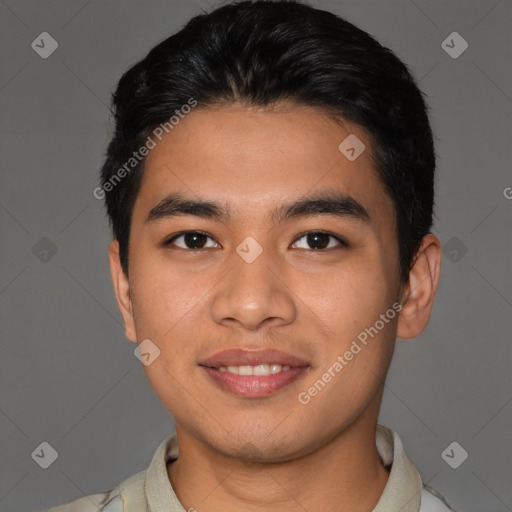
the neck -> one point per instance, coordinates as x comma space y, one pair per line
344, 474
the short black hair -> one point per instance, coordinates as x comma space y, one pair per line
260, 53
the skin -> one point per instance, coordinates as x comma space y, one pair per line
255, 454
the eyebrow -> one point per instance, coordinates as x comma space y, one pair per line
327, 203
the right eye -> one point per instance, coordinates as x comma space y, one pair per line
192, 240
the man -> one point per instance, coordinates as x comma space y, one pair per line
270, 189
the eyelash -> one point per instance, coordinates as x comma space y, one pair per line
302, 235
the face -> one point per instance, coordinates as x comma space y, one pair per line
252, 283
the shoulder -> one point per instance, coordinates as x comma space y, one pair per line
91, 503
432, 501
108, 501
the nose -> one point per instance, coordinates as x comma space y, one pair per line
254, 294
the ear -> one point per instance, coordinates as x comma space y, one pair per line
122, 290
418, 294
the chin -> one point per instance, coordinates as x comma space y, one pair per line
264, 445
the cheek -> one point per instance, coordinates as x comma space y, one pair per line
161, 298
350, 375
168, 311
352, 310
347, 301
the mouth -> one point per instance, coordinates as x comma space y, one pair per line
255, 373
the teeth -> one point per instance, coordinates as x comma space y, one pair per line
275, 368
259, 369
244, 370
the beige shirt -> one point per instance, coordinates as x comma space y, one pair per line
151, 490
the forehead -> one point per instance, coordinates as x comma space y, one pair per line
250, 158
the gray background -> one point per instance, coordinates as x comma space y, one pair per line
67, 374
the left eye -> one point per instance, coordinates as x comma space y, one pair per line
320, 240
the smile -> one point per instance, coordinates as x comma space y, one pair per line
253, 373
259, 369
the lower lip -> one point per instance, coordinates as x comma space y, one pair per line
254, 386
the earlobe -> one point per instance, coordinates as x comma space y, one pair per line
122, 291
419, 293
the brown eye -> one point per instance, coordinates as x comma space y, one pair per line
319, 240
190, 240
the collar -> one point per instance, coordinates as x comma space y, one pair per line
402, 491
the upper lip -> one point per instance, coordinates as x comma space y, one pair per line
244, 357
